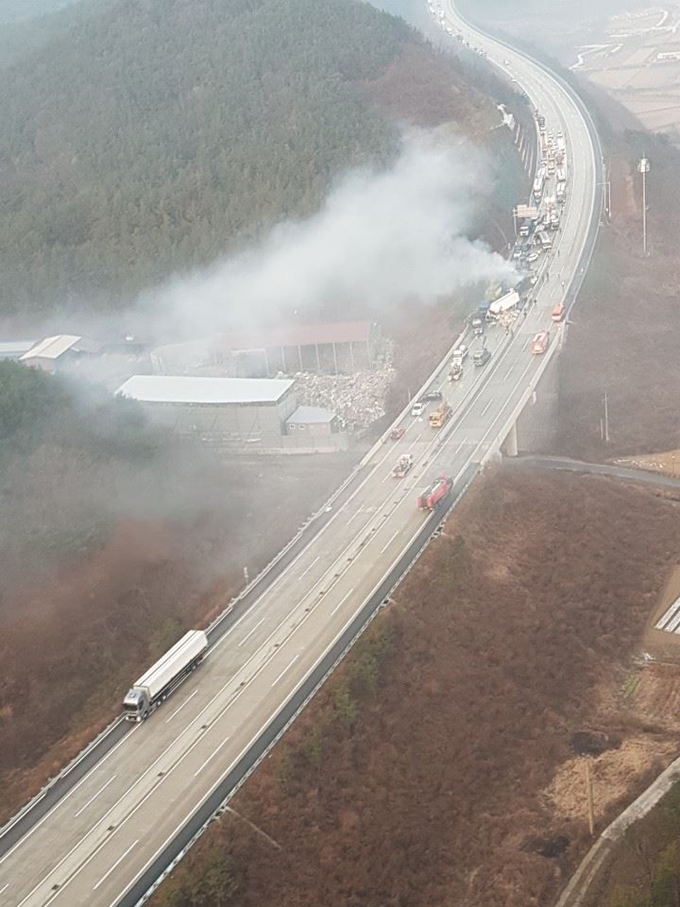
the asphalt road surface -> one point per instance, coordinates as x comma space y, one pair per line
109, 830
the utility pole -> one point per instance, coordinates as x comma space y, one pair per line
606, 419
608, 194
643, 168
589, 797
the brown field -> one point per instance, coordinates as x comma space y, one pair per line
71, 643
444, 757
101, 620
625, 330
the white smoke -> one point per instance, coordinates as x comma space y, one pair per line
381, 237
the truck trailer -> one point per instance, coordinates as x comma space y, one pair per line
539, 182
169, 671
506, 303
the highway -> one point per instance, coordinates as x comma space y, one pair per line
103, 841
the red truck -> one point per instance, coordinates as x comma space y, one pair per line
434, 493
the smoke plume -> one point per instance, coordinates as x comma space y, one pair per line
381, 237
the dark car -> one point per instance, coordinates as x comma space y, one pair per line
397, 433
481, 357
432, 395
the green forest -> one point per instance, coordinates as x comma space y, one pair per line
21, 10
153, 135
64, 458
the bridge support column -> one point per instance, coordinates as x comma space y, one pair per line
510, 446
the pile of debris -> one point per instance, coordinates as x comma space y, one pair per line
358, 399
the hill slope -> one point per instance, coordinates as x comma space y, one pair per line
152, 135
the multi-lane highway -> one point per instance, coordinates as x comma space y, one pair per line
104, 839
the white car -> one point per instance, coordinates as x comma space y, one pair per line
418, 409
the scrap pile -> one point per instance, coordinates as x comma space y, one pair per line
358, 399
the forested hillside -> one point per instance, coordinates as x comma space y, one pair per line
26, 25
19, 10
150, 137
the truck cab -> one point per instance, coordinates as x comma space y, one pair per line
403, 466
136, 705
456, 371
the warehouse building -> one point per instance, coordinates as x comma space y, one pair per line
241, 413
332, 349
15, 349
340, 348
52, 353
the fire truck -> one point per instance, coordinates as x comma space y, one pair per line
435, 493
540, 343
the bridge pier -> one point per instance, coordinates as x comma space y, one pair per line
535, 428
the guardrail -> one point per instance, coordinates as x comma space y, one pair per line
251, 587
577, 278
69, 767
215, 803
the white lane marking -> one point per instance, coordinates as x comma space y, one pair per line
118, 861
389, 542
4, 888
509, 372
63, 799
94, 796
287, 668
342, 601
258, 733
486, 407
416, 440
460, 445
182, 706
250, 633
214, 753
355, 515
150, 792
168, 772
305, 572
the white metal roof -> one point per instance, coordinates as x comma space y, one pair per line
176, 389
309, 414
52, 347
11, 348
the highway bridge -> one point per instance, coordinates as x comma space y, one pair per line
105, 832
